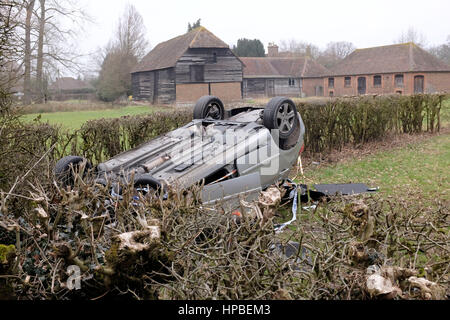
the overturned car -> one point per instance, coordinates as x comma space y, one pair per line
234, 153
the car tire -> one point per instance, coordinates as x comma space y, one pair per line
209, 107
63, 171
147, 180
280, 113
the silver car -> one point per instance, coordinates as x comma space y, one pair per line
234, 153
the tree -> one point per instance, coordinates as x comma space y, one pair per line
249, 48
294, 48
412, 35
121, 55
40, 54
10, 43
114, 78
335, 52
194, 25
57, 23
41, 41
131, 33
442, 51
29, 6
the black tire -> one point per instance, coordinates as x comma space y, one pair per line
63, 169
147, 180
280, 113
209, 107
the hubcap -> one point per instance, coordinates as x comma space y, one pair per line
285, 118
213, 111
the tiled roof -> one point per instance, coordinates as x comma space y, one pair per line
166, 54
68, 83
282, 67
406, 57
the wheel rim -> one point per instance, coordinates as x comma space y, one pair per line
213, 111
145, 191
285, 117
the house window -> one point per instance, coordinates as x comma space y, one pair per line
330, 82
331, 93
398, 92
291, 82
197, 73
399, 80
348, 81
214, 57
377, 81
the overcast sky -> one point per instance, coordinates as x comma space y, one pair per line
364, 23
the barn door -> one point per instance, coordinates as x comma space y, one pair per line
362, 85
270, 88
418, 84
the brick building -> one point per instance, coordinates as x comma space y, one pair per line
183, 69
400, 68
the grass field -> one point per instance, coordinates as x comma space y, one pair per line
419, 170
74, 119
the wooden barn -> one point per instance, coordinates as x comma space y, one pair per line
282, 76
183, 69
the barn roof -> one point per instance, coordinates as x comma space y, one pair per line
166, 54
406, 57
68, 83
270, 67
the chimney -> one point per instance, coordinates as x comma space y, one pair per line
272, 50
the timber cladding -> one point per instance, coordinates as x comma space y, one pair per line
275, 76
187, 67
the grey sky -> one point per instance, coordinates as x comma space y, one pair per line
365, 23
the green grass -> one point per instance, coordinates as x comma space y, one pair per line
74, 120
420, 170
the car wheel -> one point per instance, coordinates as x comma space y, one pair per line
280, 113
63, 169
144, 183
209, 107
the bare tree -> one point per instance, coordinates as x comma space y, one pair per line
335, 52
10, 52
40, 54
41, 40
121, 54
442, 51
131, 33
294, 48
412, 35
56, 21
27, 53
